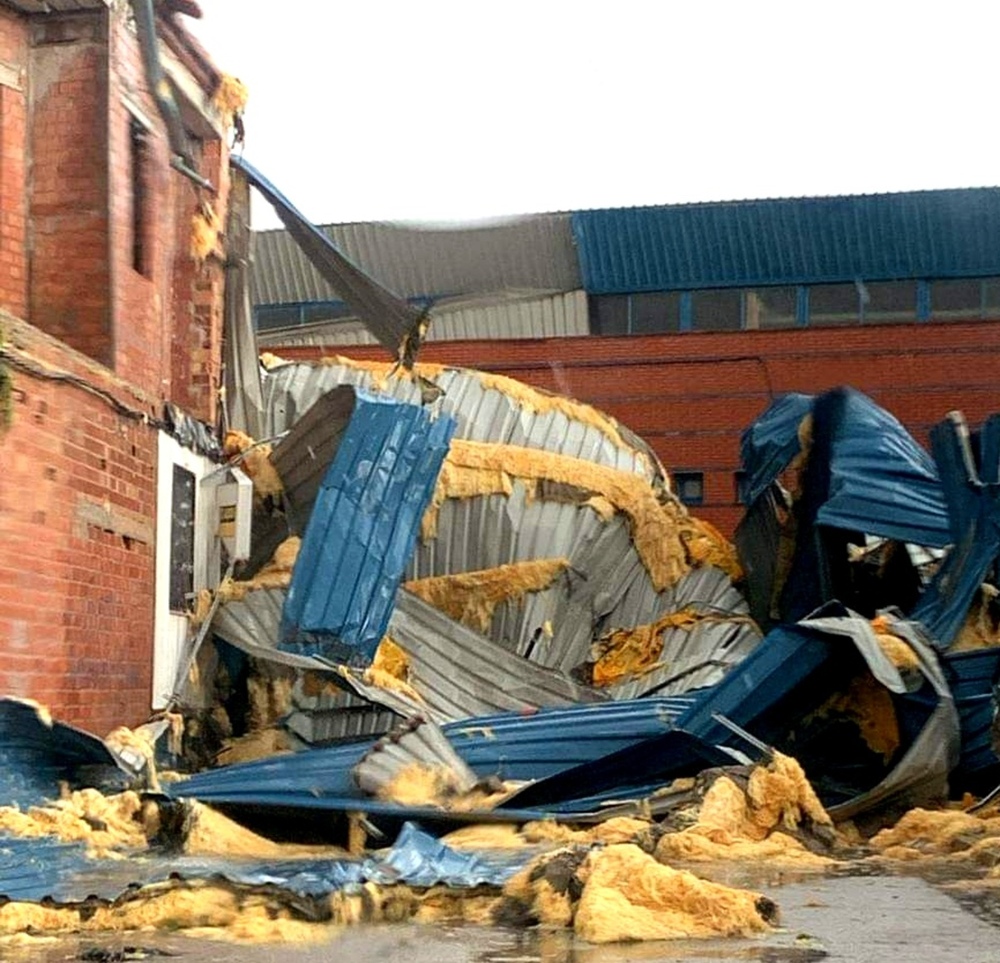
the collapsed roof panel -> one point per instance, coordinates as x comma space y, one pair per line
362, 530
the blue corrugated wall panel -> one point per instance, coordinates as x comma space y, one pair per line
921, 234
362, 530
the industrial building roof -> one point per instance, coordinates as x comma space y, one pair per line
811, 240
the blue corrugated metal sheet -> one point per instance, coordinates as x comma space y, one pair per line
768, 446
971, 676
36, 754
362, 530
970, 476
922, 234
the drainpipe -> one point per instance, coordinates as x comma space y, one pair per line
181, 161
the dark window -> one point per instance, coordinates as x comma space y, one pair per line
182, 540
956, 299
991, 297
139, 163
884, 301
739, 481
690, 486
654, 313
716, 310
609, 314
770, 308
834, 304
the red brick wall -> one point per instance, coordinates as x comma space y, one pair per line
691, 395
77, 497
13, 197
68, 185
77, 486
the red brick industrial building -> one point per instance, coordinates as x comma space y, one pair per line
106, 315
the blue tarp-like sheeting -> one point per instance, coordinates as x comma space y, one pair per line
362, 530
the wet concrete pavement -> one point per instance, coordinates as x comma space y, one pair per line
858, 919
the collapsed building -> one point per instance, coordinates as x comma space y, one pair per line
409, 600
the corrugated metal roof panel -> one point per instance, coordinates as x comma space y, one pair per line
553, 316
533, 253
362, 530
481, 410
921, 234
303, 456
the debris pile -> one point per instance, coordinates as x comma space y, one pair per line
480, 607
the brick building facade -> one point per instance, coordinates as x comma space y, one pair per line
106, 315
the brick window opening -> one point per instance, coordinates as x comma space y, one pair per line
139, 163
690, 487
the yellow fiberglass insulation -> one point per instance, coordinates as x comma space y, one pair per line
867, 704
897, 650
628, 652
472, 597
392, 660
260, 744
628, 895
923, 832
255, 460
754, 824
527, 398
660, 529
706, 545
275, 574
107, 824
206, 232
619, 893
230, 96
981, 629
210, 833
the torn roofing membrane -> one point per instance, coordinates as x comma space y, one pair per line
362, 530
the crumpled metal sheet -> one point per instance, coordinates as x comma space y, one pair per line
972, 489
33, 870
793, 672
37, 753
387, 316
482, 413
971, 675
874, 477
362, 530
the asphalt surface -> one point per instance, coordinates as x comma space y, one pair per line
857, 919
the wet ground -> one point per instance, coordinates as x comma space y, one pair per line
859, 919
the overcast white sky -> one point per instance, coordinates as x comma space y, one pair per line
465, 109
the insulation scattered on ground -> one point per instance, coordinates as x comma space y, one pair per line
107, 824
620, 893
255, 460
946, 835
896, 649
485, 836
660, 529
472, 597
755, 823
617, 829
